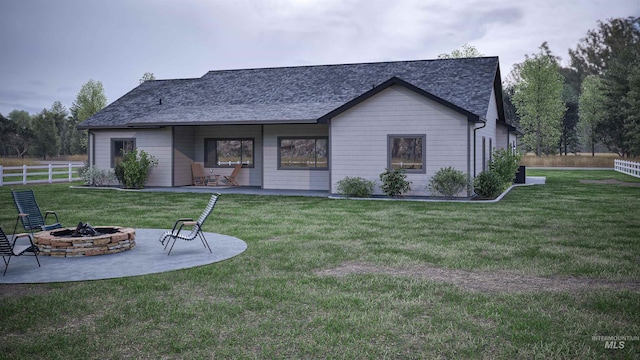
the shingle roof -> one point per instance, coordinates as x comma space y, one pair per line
294, 94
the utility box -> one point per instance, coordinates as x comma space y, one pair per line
521, 175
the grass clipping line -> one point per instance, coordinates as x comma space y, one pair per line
488, 282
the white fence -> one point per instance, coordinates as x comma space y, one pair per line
42, 174
628, 167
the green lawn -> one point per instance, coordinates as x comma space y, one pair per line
535, 275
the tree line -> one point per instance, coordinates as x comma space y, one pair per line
53, 132
594, 100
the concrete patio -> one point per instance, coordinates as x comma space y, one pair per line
148, 257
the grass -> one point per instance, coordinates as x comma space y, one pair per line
352, 279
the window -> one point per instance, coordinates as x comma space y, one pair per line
484, 154
407, 152
303, 153
228, 152
119, 147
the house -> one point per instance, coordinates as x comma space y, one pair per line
308, 127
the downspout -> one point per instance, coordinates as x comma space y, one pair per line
474, 146
91, 139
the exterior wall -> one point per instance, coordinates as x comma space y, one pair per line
292, 179
358, 140
247, 176
513, 140
156, 142
183, 154
502, 137
489, 133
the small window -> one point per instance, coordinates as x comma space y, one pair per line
228, 152
303, 153
407, 152
119, 147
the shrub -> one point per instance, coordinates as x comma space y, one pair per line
81, 171
135, 168
356, 187
118, 170
97, 177
394, 182
447, 182
505, 163
487, 184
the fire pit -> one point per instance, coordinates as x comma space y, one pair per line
85, 240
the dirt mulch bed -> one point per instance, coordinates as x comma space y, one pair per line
491, 282
611, 182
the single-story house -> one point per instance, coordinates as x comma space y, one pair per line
308, 127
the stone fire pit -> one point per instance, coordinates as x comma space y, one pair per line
67, 242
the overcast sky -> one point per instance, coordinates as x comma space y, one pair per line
50, 48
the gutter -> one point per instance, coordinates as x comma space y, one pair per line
475, 159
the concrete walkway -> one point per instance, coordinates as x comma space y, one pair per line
148, 257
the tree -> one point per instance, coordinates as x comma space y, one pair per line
633, 119
147, 76
569, 139
76, 139
612, 51
467, 51
590, 110
24, 136
46, 134
59, 114
595, 52
7, 131
538, 100
89, 100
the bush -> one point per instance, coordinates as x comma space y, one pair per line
488, 184
356, 187
118, 170
448, 182
394, 182
97, 177
135, 168
505, 163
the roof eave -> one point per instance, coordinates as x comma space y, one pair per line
221, 122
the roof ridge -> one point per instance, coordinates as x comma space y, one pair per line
346, 64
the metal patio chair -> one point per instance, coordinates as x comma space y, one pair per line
32, 219
8, 249
179, 231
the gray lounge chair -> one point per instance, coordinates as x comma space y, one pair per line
26, 204
8, 249
196, 227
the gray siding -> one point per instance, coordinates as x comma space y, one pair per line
292, 179
156, 142
502, 137
489, 133
359, 137
183, 154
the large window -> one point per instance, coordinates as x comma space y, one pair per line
407, 152
119, 147
228, 152
303, 153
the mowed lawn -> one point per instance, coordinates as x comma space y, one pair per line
536, 275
